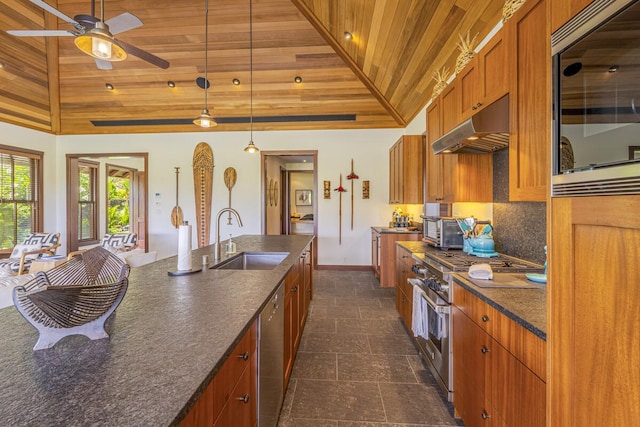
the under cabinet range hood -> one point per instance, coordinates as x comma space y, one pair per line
485, 132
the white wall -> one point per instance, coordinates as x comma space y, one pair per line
16, 136
368, 148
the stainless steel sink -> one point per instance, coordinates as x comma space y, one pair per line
252, 261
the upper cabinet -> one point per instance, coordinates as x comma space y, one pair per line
406, 170
454, 177
485, 79
563, 10
529, 48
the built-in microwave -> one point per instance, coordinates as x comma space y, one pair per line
596, 114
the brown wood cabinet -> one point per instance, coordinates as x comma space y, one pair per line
529, 47
387, 254
563, 10
454, 178
484, 79
298, 293
450, 109
404, 291
499, 367
231, 396
593, 312
406, 170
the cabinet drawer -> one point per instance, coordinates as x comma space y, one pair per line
230, 373
240, 409
523, 344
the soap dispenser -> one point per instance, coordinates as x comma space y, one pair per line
230, 246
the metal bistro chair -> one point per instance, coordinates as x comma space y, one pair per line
34, 246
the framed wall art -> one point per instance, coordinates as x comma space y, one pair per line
303, 198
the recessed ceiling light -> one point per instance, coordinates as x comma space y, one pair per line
109, 86
236, 82
171, 83
348, 35
1, 65
613, 68
298, 79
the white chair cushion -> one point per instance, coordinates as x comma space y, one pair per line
18, 250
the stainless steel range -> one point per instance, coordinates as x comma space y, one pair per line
434, 278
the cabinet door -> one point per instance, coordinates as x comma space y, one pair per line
450, 107
375, 247
529, 102
516, 393
393, 176
494, 71
412, 169
474, 178
469, 82
563, 10
434, 177
594, 321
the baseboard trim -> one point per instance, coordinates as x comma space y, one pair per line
345, 267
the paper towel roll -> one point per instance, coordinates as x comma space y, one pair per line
184, 247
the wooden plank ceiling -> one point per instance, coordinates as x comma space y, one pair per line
383, 77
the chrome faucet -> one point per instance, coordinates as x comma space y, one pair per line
216, 249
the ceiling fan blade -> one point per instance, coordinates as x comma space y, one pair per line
123, 22
103, 65
54, 11
43, 33
144, 55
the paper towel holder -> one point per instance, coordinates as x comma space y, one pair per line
185, 272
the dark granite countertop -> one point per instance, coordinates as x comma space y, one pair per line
527, 307
381, 229
169, 337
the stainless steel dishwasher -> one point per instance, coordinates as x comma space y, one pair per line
271, 369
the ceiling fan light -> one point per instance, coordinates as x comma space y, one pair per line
251, 148
205, 120
99, 43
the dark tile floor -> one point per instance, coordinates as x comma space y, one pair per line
356, 365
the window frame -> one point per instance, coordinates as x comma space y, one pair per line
94, 170
37, 217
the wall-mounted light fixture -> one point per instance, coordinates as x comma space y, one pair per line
297, 79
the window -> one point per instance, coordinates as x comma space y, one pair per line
119, 180
20, 194
87, 201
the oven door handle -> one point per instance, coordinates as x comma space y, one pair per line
438, 308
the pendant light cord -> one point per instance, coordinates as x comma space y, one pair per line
251, 69
206, 51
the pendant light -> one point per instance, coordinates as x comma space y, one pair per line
204, 119
251, 148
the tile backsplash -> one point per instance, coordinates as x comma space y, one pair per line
519, 227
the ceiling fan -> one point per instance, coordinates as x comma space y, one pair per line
95, 36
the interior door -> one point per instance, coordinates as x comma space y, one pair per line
140, 208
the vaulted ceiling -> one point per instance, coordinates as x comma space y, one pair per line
381, 78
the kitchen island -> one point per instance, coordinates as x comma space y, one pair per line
168, 339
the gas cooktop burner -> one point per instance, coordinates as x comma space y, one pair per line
460, 261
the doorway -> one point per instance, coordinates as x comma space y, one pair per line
289, 192
105, 197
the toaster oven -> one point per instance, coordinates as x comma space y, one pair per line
442, 232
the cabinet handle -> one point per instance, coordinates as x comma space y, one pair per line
243, 399
479, 104
485, 318
484, 350
244, 356
485, 416
474, 108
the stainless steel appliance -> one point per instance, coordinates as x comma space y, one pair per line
433, 270
596, 149
271, 369
442, 232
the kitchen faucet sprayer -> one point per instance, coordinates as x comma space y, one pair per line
216, 250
